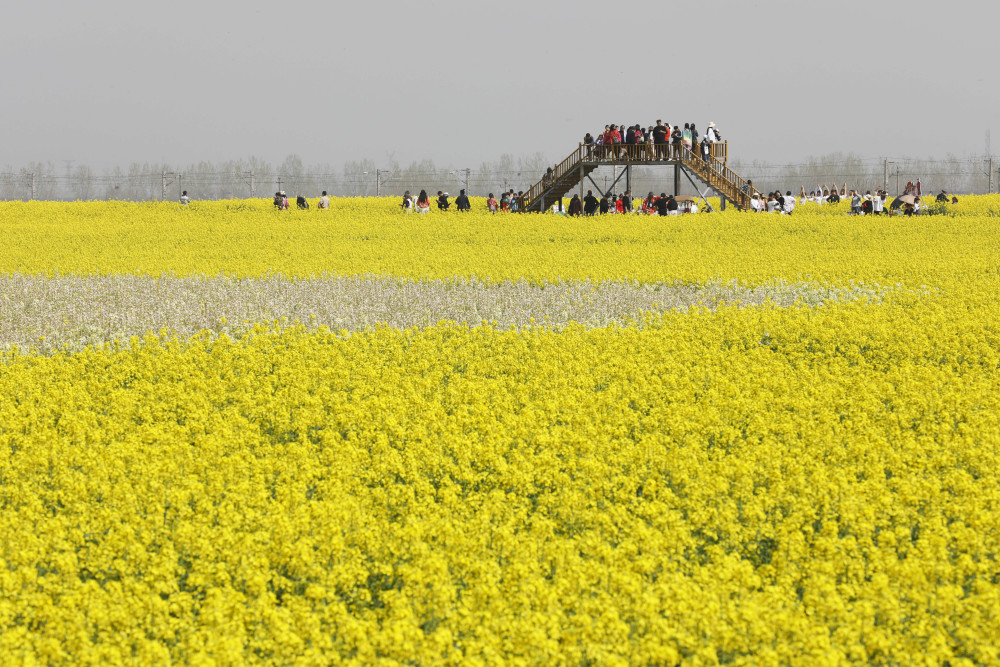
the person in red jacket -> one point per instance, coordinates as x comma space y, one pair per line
616, 141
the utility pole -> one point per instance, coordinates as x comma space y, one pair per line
885, 175
163, 185
253, 184
989, 185
467, 172
378, 182
279, 183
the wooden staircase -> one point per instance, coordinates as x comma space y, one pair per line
569, 173
715, 174
564, 177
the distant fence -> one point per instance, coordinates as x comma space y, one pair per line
965, 175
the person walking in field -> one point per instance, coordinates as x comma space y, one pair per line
575, 206
423, 202
492, 204
789, 203
462, 202
443, 201
661, 205
324, 201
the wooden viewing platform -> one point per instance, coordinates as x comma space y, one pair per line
577, 167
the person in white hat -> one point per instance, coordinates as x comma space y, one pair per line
712, 133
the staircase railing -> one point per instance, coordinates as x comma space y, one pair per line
561, 170
718, 175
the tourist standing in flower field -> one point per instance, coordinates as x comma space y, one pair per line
575, 206
423, 202
324, 201
184, 198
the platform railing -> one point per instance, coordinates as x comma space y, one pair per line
647, 152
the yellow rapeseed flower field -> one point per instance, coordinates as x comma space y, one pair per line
812, 483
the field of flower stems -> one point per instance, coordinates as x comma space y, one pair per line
232, 435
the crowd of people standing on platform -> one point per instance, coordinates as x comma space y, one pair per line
655, 142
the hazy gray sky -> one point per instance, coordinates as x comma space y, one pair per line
111, 82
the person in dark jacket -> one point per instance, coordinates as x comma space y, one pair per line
575, 206
676, 137
462, 202
301, 202
661, 204
671, 205
604, 204
590, 203
443, 201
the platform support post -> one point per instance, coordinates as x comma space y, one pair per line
677, 179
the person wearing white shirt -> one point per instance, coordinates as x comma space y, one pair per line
789, 203
712, 133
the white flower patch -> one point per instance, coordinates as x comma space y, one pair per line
68, 312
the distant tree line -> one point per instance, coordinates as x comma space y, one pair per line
151, 181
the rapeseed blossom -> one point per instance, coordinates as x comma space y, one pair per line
788, 480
